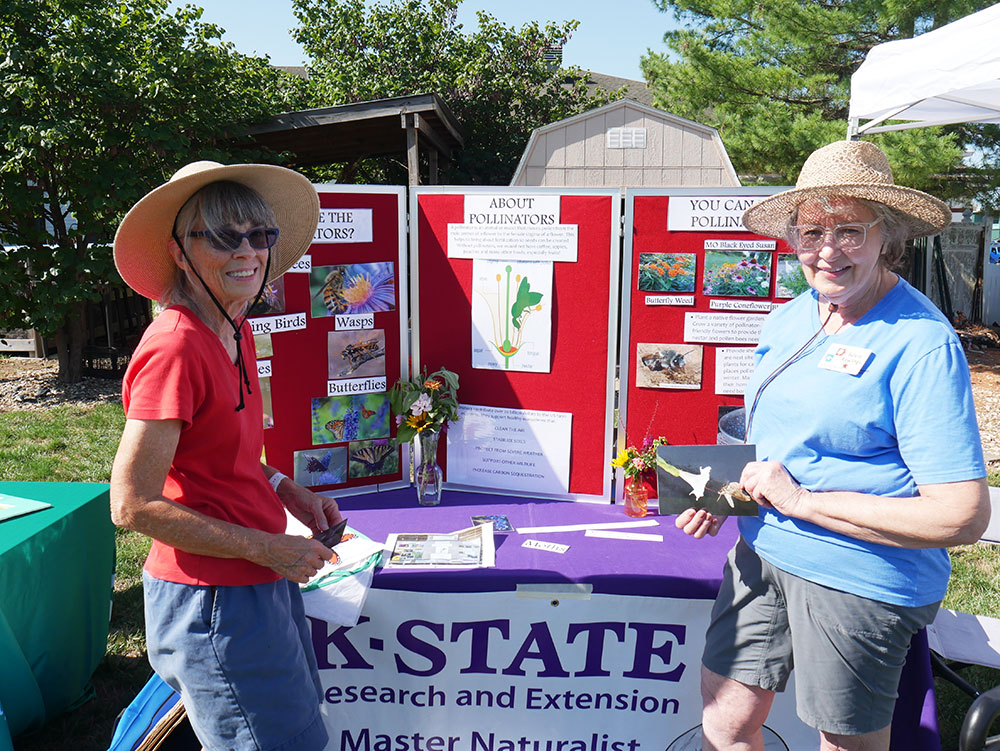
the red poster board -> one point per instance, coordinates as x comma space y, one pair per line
584, 313
302, 362
683, 406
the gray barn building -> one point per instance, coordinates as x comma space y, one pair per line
625, 144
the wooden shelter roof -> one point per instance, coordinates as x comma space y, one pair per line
347, 131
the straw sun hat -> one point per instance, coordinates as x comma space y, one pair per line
141, 253
849, 168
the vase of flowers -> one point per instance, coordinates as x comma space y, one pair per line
423, 407
639, 467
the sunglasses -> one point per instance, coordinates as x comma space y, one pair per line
224, 238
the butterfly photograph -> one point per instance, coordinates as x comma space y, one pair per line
357, 417
320, 466
370, 458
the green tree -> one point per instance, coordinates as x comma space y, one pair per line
774, 78
495, 80
99, 102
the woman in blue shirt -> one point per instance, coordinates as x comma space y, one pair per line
868, 466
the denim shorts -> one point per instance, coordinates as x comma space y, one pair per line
242, 660
848, 651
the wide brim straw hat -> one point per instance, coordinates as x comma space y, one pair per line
856, 169
141, 241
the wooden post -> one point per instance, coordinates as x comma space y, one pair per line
432, 158
412, 153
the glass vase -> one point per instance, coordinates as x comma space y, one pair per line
636, 495
427, 473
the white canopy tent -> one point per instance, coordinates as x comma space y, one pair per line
949, 75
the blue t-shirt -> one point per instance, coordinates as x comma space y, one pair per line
906, 419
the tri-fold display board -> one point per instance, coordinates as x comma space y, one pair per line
523, 294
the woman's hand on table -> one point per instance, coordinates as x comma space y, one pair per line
771, 486
698, 522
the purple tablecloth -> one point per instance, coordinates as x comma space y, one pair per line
677, 567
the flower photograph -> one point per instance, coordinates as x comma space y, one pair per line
350, 418
666, 272
737, 273
791, 281
352, 289
272, 300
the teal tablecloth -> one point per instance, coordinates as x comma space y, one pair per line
56, 568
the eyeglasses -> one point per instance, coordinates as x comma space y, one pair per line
225, 238
810, 237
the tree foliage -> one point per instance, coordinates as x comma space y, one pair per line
495, 79
774, 78
99, 102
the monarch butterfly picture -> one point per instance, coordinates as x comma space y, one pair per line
350, 418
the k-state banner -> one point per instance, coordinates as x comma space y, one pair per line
495, 671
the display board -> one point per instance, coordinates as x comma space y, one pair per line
331, 340
516, 290
696, 286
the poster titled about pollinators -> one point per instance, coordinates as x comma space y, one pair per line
512, 315
350, 418
352, 289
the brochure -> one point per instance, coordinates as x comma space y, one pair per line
467, 548
11, 506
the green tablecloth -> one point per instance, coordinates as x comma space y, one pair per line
56, 568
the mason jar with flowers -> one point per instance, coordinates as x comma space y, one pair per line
423, 407
639, 467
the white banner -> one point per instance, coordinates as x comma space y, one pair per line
498, 672
344, 226
708, 213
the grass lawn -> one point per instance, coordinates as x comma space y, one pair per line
78, 444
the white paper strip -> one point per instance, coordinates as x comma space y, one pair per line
612, 535
585, 527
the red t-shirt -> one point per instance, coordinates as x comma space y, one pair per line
180, 370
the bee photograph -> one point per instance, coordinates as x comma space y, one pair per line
668, 366
370, 458
320, 466
352, 289
356, 354
350, 418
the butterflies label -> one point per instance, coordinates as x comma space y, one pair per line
355, 386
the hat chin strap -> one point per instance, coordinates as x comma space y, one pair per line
242, 376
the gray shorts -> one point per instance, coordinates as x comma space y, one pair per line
848, 650
243, 661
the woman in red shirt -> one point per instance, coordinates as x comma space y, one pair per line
224, 618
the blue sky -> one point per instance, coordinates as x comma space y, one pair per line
611, 37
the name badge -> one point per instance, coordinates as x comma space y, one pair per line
842, 358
